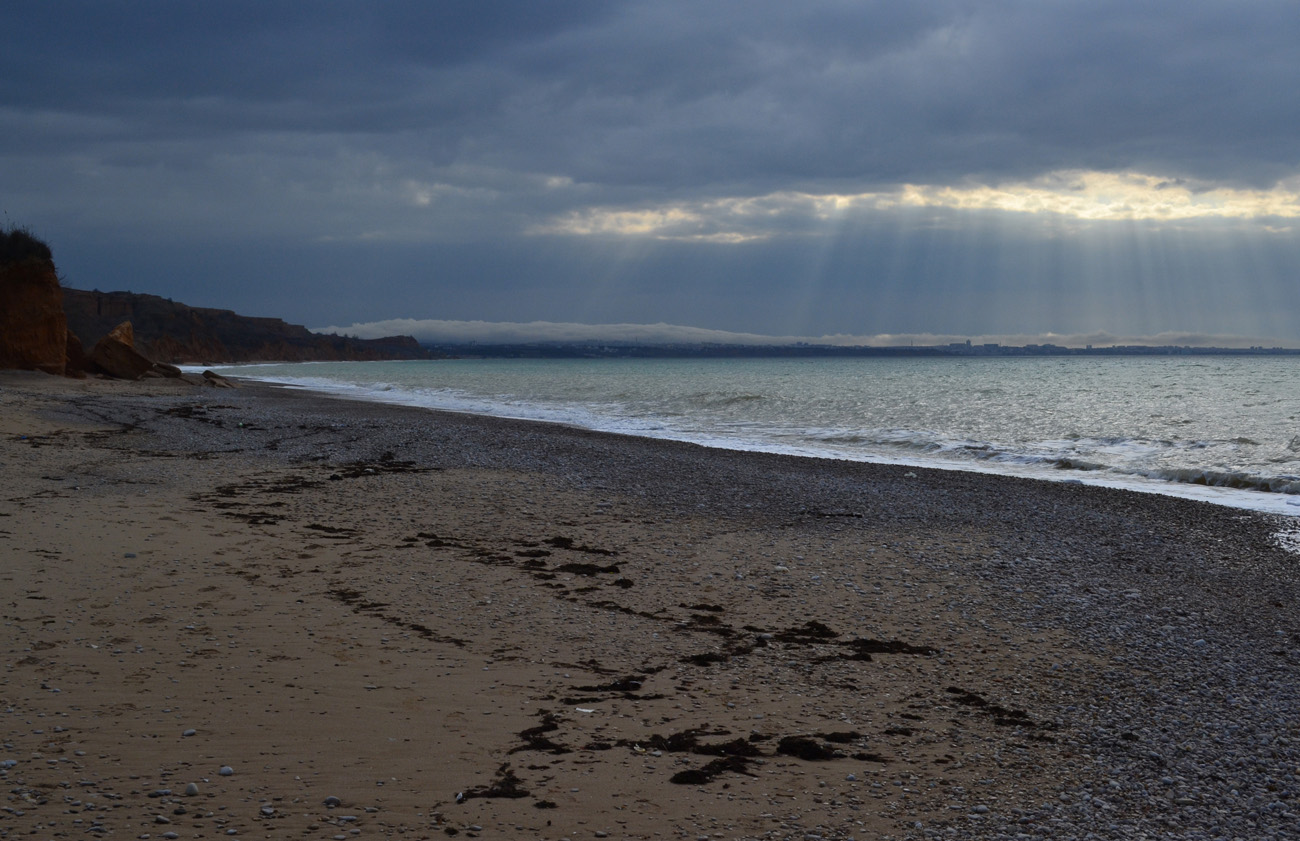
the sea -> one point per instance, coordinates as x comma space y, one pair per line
1220, 429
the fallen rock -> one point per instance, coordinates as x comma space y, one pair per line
216, 380
167, 370
116, 356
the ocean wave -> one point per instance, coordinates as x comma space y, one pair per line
713, 399
1116, 456
1235, 480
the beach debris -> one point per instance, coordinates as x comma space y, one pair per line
699, 776
561, 542
1002, 716
535, 740
807, 748
505, 785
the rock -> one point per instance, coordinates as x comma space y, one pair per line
226, 771
214, 379
115, 354
191, 789
332, 801
33, 328
169, 371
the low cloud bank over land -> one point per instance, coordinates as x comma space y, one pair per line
433, 331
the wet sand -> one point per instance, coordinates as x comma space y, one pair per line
462, 625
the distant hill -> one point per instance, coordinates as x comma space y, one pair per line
167, 331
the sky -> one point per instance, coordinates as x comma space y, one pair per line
840, 171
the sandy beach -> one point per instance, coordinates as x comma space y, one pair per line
263, 613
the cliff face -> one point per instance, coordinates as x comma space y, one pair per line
167, 331
33, 330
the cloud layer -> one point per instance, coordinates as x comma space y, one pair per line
984, 166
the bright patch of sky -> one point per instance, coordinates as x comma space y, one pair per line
1092, 196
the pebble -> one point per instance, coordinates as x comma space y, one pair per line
192, 789
226, 771
332, 801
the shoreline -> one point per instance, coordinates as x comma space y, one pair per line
1255, 499
394, 605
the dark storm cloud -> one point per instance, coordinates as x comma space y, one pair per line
755, 95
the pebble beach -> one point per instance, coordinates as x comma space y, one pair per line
258, 612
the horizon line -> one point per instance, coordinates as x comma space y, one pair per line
454, 332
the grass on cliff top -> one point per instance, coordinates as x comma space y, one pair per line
18, 244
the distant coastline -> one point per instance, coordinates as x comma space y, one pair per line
613, 350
